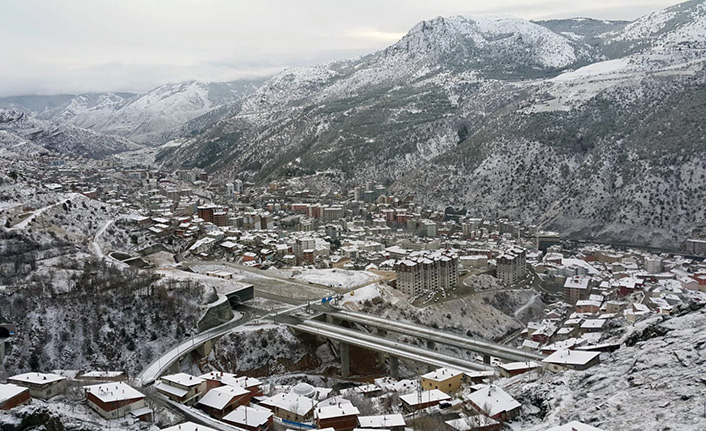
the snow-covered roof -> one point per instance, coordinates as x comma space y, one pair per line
442, 374
588, 303
577, 282
291, 402
382, 421
593, 324
189, 426
365, 389
580, 263
470, 423
183, 379
248, 416
10, 391
303, 389
141, 412
493, 400
530, 344
102, 374
173, 390
333, 401
513, 366
433, 395
218, 398
570, 357
111, 392
574, 426
336, 411
231, 379
36, 378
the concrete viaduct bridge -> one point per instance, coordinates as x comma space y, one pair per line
328, 325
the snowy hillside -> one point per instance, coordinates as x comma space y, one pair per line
683, 24
151, 118
655, 382
500, 115
18, 128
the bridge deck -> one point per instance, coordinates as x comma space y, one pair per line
442, 337
380, 344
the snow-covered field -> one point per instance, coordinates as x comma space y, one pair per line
363, 294
340, 278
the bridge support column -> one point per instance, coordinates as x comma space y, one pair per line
345, 360
431, 346
486, 359
394, 367
333, 320
2, 350
175, 367
382, 333
205, 349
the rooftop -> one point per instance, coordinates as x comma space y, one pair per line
110, 392
248, 416
415, 399
570, 357
10, 391
183, 379
493, 400
36, 378
335, 411
442, 374
218, 398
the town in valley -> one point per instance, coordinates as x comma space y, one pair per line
484, 223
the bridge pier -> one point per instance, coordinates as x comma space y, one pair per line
431, 345
486, 359
175, 367
205, 349
332, 320
345, 360
382, 333
2, 350
394, 367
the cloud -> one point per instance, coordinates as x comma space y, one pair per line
70, 46
377, 35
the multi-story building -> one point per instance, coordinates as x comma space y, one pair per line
512, 265
696, 246
577, 288
653, 265
427, 271
333, 213
206, 212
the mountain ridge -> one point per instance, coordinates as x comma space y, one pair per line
150, 118
416, 115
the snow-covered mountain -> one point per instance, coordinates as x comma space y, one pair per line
681, 26
585, 126
22, 134
150, 118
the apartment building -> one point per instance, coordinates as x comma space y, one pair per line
426, 271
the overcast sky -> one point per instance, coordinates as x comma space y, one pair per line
72, 46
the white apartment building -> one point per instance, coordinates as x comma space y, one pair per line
512, 265
426, 271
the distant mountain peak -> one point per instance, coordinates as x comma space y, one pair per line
485, 38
